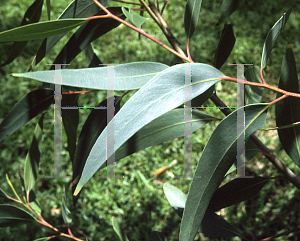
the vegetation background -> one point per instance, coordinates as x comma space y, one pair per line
138, 203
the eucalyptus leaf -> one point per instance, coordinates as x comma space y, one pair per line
287, 110
127, 76
161, 94
136, 19
191, 16
40, 30
218, 156
28, 107
11, 215
272, 36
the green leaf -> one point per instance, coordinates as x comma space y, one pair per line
30, 106
70, 118
218, 156
87, 33
253, 94
212, 224
200, 100
236, 191
227, 8
91, 130
48, 9
127, 76
34, 203
122, 236
191, 16
11, 216
225, 46
67, 215
161, 94
32, 15
136, 19
84, 9
169, 126
40, 30
272, 36
33, 157
287, 110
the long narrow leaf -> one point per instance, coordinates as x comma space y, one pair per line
166, 127
40, 30
30, 106
225, 46
87, 33
32, 15
236, 191
11, 216
287, 110
212, 224
84, 9
191, 16
272, 36
127, 76
161, 94
33, 158
218, 156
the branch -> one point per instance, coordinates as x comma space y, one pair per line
164, 27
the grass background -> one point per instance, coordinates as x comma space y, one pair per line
138, 207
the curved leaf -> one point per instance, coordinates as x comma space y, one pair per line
136, 19
287, 110
83, 9
87, 33
272, 36
33, 157
67, 215
70, 118
212, 224
169, 126
30, 106
122, 236
225, 46
161, 94
127, 76
236, 191
253, 94
91, 130
40, 30
191, 16
11, 216
32, 15
218, 156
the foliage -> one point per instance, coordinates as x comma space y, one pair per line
155, 113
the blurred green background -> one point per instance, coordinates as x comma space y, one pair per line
141, 207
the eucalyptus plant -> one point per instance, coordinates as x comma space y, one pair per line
156, 113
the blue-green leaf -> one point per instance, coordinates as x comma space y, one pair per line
287, 110
191, 16
161, 94
136, 19
272, 36
218, 156
127, 76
